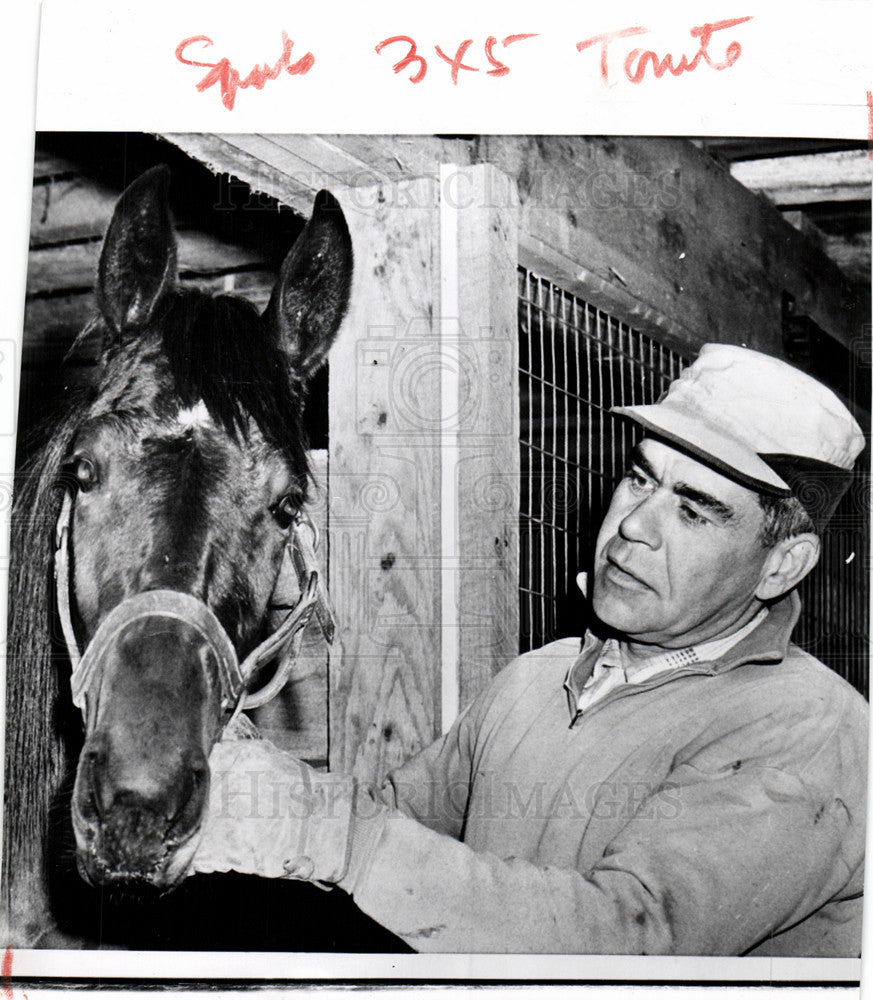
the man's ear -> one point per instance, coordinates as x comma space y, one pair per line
787, 564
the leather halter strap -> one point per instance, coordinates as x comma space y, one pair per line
233, 677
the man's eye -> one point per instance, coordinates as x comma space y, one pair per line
638, 482
691, 516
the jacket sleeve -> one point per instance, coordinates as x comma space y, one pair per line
712, 862
433, 786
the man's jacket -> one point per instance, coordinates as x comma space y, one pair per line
715, 809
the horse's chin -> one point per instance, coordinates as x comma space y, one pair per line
161, 876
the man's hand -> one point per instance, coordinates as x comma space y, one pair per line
270, 814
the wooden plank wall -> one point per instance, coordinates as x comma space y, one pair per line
657, 219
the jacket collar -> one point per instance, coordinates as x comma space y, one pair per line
768, 643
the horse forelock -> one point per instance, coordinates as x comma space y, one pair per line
211, 352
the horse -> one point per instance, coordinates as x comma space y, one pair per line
164, 503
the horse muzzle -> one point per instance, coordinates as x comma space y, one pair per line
142, 780
129, 840
133, 845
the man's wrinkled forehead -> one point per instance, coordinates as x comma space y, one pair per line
690, 479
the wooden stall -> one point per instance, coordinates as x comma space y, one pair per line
507, 290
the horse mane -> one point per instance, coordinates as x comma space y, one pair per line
35, 756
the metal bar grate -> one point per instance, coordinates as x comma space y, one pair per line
575, 362
835, 622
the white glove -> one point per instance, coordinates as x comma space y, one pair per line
270, 814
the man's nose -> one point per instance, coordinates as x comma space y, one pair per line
643, 522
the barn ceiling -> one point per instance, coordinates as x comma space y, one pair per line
821, 186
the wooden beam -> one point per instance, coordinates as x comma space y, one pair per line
292, 168
845, 175
657, 221
252, 159
357, 161
74, 265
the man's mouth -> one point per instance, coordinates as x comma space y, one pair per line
623, 577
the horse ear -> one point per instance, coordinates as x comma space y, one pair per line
138, 259
312, 293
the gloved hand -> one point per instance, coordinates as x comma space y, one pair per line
270, 814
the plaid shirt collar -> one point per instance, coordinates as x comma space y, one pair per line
615, 667
615, 653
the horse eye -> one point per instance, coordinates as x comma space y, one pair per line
85, 473
285, 510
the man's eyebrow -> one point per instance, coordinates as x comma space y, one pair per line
639, 459
705, 500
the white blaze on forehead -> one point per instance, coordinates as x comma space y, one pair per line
194, 416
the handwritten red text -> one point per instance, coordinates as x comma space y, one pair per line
6, 977
637, 61
455, 61
229, 80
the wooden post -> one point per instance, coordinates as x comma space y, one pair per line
486, 485
423, 463
384, 485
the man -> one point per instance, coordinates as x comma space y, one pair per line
687, 783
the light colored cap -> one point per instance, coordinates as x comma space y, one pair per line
734, 407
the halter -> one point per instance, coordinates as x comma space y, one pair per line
234, 677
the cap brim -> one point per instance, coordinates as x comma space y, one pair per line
709, 444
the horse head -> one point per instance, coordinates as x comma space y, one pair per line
185, 474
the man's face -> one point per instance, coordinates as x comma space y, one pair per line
678, 556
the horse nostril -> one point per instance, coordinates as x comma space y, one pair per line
189, 806
97, 790
199, 780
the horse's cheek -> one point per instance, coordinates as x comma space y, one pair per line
87, 586
98, 585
